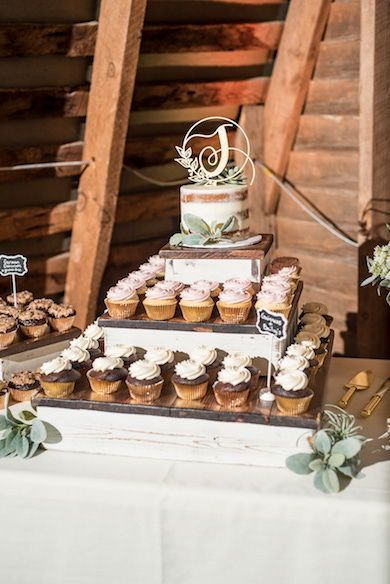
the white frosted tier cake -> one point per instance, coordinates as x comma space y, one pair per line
216, 203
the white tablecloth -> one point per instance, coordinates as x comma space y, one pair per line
70, 519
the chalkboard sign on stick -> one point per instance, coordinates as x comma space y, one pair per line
272, 323
13, 265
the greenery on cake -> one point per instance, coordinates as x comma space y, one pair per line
379, 268
198, 232
231, 175
335, 451
21, 436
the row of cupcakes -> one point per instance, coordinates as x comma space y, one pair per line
32, 318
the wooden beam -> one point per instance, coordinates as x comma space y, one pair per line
112, 85
333, 96
304, 27
344, 21
374, 177
338, 60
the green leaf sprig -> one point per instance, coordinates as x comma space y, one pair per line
335, 451
22, 435
199, 232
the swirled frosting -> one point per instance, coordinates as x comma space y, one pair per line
310, 339
160, 355
56, 366
313, 318
242, 283
144, 370
121, 351
190, 369
321, 330
237, 359
293, 363
234, 295
288, 271
75, 355
94, 331
84, 343
195, 294
157, 262
107, 363
157, 293
171, 285
203, 355
298, 350
272, 296
292, 380
279, 286
316, 307
135, 279
149, 270
234, 375
205, 285
118, 293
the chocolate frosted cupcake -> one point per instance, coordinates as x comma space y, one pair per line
144, 381
33, 323
80, 359
106, 375
160, 304
88, 344
41, 304
292, 393
127, 353
164, 358
190, 380
58, 378
22, 385
209, 358
61, 317
316, 307
23, 298
95, 332
8, 330
238, 359
232, 387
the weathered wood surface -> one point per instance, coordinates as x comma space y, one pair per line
304, 26
328, 132
43, 102
338, 60
337, 203
333, 97
327, 168
344, 21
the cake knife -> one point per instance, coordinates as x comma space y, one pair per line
376, 399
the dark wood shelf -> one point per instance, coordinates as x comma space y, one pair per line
252, 252
25, 344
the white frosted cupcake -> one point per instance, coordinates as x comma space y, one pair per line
106, 375
190, 380
88, 344
127, 353
292, 393
95, 332
80, 358
58, 378
232, 387
144, 380
164, 358
207, 357
238, 359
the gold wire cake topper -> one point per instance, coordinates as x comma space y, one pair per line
211, 166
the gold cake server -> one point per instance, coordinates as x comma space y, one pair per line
376, 399
360, 381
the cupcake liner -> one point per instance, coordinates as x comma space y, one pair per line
57, 388
6, 339
278, 308
160, 311
22, 395
196, 313
293, 405
102, 386
147, 392
125, 309
234, 313
34, 331
62, 324
231, 399
191, 392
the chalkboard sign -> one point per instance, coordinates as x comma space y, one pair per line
271, 323
13, 265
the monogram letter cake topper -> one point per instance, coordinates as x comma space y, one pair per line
211, 166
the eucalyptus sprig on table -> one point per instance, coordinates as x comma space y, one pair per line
21, 436
199, 232
335, 451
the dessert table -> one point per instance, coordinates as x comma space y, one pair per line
91, 519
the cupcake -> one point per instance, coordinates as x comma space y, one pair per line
158, 263
106, 375
58, 377
144, 380
316, 307
283, 262
121, 302
61, 317
150, 273
23, 385
211, 286
196, 304
299, 350
135, 280
95, 332
22, 299
190, 380
238, 360
234, 305
241, 283
232, 387
275, 283
292, 393
171, 285
88, 344
278, 302
321, 330
127, 353
42, 304
160, 304
79, 358
8, 330
3, 396
312, 318
33, 323
10, 311
164, 358
209, 358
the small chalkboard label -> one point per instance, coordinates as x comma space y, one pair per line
13, 265
271, 323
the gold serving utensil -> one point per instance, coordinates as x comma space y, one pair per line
360, 381
376, 399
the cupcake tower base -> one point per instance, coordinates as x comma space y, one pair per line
170, 428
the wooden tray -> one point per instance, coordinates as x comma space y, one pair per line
25, 344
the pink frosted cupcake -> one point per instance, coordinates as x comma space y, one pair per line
171, 284
211, 286
277, 301
160, 304
276, 283
241, 283
121, 302
150, 273
134, 280
234, 305
158, 263
196, 304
